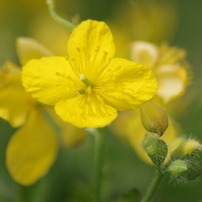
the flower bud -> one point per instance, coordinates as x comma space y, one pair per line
175, 143
193, 172
186, 149
156, 149
154, 119
177, 168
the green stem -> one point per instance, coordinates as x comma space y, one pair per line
99, 153
57, 18
153, 187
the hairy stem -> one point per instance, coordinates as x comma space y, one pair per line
153, 187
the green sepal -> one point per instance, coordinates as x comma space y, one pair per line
193, 172
155, 148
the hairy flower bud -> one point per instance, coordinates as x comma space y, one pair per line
186, 149
193, 172
154, 118
156, 149
177, 168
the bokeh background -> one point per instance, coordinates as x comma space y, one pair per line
70, 178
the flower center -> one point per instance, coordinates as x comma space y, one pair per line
87, 82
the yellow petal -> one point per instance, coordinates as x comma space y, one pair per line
144, 53
172, 81
90, 48
125, 85
31, 150
171, 55
50, 79
85, 111
28, 48
15, 102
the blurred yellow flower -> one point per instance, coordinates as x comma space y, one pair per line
168, 64
32, 149
89, 86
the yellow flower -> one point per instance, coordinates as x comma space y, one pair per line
168, 64
89, 86
32, 149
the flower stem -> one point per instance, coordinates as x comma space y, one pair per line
99, 153
153, 187
56, 17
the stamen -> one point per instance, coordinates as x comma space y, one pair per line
85, 80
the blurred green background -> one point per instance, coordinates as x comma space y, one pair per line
70, 177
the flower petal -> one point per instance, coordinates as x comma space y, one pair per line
172, 81
125, 85
90, 48
50, 79
86, 111
31, 150
15, 102
28, 48
144, 53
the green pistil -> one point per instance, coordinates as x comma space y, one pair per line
87, 82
